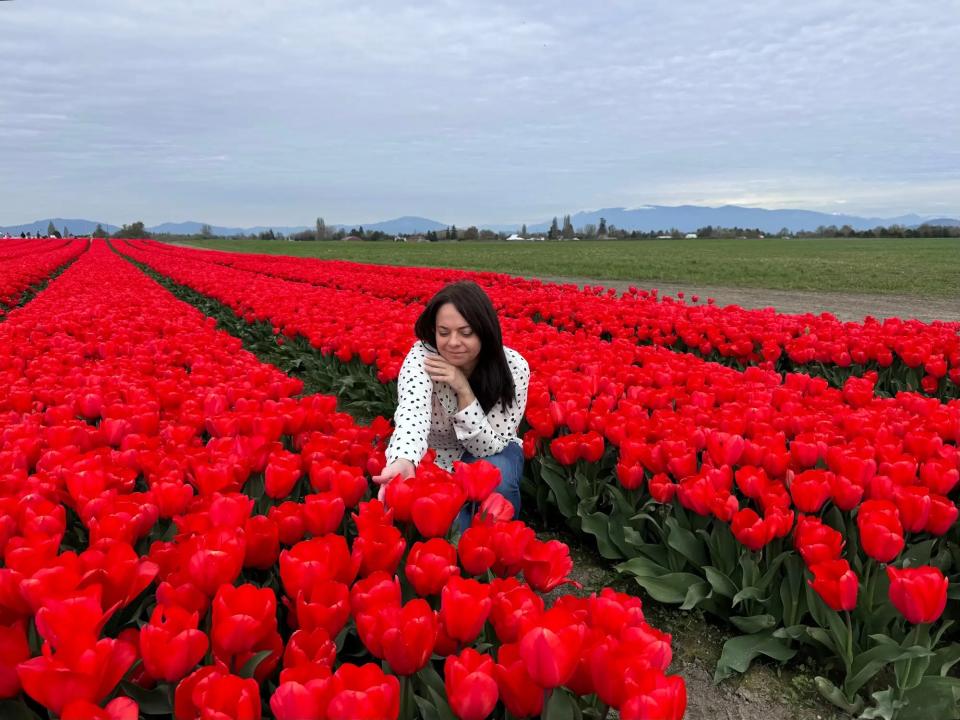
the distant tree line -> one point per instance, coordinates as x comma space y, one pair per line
559, 229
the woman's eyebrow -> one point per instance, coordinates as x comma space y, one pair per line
462, 327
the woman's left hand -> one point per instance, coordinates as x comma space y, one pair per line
440, 370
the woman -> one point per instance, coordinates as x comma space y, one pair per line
460, 392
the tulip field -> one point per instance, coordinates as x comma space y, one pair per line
188, 529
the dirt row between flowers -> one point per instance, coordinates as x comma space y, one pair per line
765, 691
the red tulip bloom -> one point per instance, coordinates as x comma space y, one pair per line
514, 607
496, 508
913, 503
263, 542
613, 611
810, 490
379, 548
550, 648
13, 651
242, 617
471, 687
478, 479
920, 594
363, 693
547, 564
121, 708
56, 679
520, 694
324, 604
212, 692
836, 584
430, 564
816, 541
317, 560
651, 695
750, 530
323, 512
371, 593
309, 647
943, 514
464, 608
288, 518
435, 506
171, 644
283, 472
881, 534
410, 636
476, 550
307, 700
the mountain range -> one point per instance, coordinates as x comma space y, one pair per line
686, 218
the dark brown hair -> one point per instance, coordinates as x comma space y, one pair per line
491, 379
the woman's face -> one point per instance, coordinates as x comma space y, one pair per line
456, 341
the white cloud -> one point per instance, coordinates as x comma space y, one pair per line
243, 112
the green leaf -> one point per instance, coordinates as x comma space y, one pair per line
722, 584
739, 652
668, 588
749, 593
754, 623
562, 492
867, 664
251, 665
440, 703
151, 702
641, 567
561, 705
935, 697
696, 593
597, 524
835, 695
10, 710
685, 543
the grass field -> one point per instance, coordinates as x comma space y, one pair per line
920, 267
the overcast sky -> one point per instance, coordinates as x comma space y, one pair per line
243, 112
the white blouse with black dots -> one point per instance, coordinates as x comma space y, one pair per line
427, 415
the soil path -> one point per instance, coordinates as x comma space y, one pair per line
845, 306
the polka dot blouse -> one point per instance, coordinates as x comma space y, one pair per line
427, 415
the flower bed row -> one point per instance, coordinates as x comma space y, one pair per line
183, 536
906, 354
713, 482
23, 265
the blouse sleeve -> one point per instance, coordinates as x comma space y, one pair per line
412, 418
484, 435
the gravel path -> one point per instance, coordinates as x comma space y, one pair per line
845, 306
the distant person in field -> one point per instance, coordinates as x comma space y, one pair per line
460, 392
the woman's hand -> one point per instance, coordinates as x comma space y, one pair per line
400, 467
440, 370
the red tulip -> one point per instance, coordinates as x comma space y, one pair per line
13, 651
496, 508
478, 479
309, 647
430, 564
476, 551
212, 692
410, 637
121, 708
379, 549
435, 506
835, 583
171, 644
282, 474
920, 594
317, 560
881, 534
371, 593
547, 564
514, 606
815, 541
263, 542
363, 693
324, 604
464, 608
551, 647
750, 530
654, 696
471, 687
242, 617
520, 694
810, 490
323, 512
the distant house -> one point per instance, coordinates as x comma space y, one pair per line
418, 239
690, 236
518, 238
352, 238
664, 237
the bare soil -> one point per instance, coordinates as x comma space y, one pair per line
845, 306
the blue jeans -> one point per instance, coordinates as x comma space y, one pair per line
509, 462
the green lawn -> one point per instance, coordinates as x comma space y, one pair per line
922, 267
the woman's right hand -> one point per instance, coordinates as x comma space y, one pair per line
399, 467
